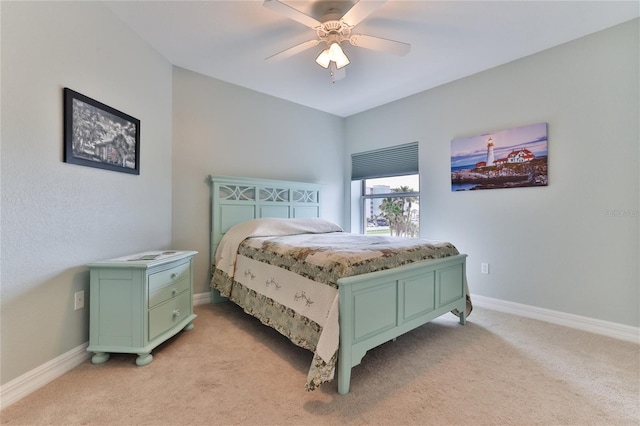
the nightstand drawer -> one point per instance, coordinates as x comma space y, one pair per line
165, 316
166, 284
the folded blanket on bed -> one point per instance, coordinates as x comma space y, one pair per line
227, 252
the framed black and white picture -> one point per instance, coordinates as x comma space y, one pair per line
97, 135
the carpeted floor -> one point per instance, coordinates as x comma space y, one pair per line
231, 370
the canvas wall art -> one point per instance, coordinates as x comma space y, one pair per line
512, 158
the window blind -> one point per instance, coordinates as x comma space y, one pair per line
397, 160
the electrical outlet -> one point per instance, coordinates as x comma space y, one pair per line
78, 300
484, 268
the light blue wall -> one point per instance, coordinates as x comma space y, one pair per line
556, 247
57, 217
223, 129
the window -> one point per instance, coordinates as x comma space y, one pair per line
391, 206
389, 190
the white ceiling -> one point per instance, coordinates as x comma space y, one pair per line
229, 40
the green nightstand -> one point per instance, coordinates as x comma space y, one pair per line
139, 301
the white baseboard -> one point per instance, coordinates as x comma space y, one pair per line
33, 380
201, 298
605, 328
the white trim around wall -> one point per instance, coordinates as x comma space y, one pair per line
31, 381
605, 328
202, 298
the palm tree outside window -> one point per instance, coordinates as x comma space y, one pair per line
391, 206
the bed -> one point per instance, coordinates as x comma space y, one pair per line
270, 249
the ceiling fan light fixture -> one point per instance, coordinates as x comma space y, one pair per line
323, 59
336, 54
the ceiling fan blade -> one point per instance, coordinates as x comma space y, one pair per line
291, 13
361, 10
382, 44
287, 53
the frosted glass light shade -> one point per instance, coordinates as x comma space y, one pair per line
333, 53
323, 59
337, 55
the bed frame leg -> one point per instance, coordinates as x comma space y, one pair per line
344, 378
216, 298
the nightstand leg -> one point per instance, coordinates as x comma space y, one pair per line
188, 327
100, 357
144, 359
463, 317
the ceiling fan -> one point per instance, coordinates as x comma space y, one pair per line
334, 28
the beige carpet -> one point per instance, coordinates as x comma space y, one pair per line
498, 369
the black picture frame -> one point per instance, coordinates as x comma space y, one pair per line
97, 135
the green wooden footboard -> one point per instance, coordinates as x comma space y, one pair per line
380, 306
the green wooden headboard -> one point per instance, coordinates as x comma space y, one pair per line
238, 199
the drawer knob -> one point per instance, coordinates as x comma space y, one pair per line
174, 292
176, 313
173, 276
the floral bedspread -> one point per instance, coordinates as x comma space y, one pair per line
289, 281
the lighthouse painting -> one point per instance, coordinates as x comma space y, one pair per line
512, 158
